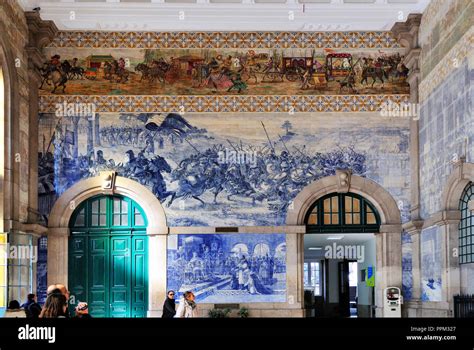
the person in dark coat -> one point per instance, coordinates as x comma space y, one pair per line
32, 308
169, 307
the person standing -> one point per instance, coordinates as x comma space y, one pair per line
64, 291
187, 306
169, 306
55, 305
32, 308
14, 310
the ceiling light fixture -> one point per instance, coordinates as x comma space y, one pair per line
335, 238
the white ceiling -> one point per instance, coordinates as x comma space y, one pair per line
225, 15
321, 241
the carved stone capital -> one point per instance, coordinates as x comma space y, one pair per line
406, 34
40, 34
413, 227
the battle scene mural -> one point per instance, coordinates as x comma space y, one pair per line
228, 268
218, 170
278, 71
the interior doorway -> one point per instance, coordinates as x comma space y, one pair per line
108, 257
340, 257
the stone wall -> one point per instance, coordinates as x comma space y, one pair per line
23, 35
14, 29
432, 274
446, 90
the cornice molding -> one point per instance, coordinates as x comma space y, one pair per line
40, 34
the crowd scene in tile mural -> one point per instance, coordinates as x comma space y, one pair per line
185, 165
233, 268
203, 72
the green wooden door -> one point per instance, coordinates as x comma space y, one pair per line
108, 257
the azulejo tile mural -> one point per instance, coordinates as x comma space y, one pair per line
213, 170
237, 71
208, 40
446, 134
431, 260
228, 268
407, 266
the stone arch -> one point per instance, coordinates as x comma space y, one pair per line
455, 185
388, 240
376, 194
8, 133
157, 231
75, 195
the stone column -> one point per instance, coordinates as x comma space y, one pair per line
294, 272
157, 272
58, 255
40, 33
411, 307
388, 272
407, 35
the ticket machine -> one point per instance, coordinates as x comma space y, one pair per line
392, 302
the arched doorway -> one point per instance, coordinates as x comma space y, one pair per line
340, 257
388, 267
156, 230
108, 256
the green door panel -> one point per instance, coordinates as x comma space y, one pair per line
108, 260
120, 277
139, 276
78, 263
98, 276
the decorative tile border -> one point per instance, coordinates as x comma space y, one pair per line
210, 40
223, 104
447, 65
431, 16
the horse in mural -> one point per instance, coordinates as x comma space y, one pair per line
113, 71
76, 73
52, 75
374, 73
157, 165
71, 71
190, 187
156, 71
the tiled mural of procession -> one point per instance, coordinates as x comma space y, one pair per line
232, 172
75, 71
229, 268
